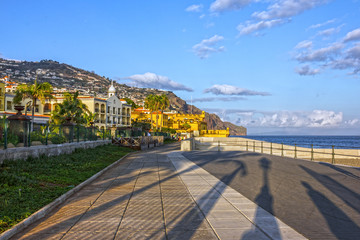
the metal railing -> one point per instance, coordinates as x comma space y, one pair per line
42, 134
327, 153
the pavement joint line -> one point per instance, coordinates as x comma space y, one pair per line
162, 202
127, 204
176, 155
43, 212
91, 206
207, 220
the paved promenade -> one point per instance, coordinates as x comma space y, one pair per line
158, 194
319, 200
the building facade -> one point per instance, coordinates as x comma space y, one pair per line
110, 112
2, 96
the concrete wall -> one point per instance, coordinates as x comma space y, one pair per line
188, 144
49, 150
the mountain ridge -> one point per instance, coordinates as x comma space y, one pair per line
64, 76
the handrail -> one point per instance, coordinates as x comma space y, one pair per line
295, 151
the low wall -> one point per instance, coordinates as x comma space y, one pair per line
340, 156
47, 150
187, 144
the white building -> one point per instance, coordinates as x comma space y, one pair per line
118, 111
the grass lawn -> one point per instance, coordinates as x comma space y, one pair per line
168, 141
27, 186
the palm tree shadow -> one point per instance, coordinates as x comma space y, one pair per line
339, 169
351, 198
339, 223
263, 219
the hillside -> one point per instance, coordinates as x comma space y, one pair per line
66, 77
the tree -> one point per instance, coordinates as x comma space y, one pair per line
71, 110
131, 102
35, 92
150, 104
164, 103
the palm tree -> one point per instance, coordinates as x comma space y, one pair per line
164, 103
150, 104
157, 107
71, 110
35, 92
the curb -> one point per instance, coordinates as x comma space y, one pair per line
48, 208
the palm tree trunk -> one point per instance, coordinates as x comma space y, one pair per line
162, 120
151, 120
157, 120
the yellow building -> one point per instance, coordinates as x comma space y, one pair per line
182, 123
2, 96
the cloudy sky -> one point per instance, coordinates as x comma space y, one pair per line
273, 66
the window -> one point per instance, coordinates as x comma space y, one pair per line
8, 105
114, 110
47, 107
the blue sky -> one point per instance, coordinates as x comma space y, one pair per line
273, 66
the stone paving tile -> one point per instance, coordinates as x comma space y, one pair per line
243, 234
48, 236
140, 235
89, 235
191, 235
95, 226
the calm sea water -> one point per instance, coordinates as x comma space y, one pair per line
317, 141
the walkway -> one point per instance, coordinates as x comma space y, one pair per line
319, 200
158, 194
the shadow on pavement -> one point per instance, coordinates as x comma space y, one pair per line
351, 198
339, 169
339, 223
265, 199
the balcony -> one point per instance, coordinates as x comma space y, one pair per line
102, 111
96, 110
102, 121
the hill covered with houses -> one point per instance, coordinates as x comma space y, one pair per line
64, 77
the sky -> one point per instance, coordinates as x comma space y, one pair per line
276, 67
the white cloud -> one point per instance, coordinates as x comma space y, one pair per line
233, 90
207, 46
227, 5
152, 80
216, 99
322, 24
353, 122
328, 32
304, 44
307, 71
322, 54
289, 119
251, 27
287, 8
339, 55
194, 8
353, 35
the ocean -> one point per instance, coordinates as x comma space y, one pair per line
339, 142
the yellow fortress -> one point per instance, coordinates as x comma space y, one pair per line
182, 123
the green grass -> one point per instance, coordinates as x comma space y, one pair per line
168, 141
28, 185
